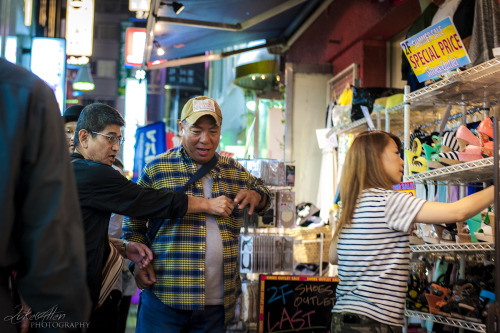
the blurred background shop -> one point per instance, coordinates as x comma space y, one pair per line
268, 63
276, 67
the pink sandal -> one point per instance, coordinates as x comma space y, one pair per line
465, 137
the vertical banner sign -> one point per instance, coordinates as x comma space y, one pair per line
135, 43
407, 187
150, 141
296, 303
79, 27
123, 72
48, 61
435, 50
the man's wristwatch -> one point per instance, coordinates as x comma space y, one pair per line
123, 249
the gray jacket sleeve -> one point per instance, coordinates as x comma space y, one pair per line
42, 232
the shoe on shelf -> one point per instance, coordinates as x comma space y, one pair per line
486, 233
429, 234
465, 137
432, 157
449, 142
485, 130
416, 162
457, 157
416, 236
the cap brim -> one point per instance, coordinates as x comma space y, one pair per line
197, 115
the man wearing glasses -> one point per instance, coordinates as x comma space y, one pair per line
102, 191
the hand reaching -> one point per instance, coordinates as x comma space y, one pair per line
221, 206
139, 253
247, 197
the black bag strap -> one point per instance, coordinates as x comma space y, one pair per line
205, 168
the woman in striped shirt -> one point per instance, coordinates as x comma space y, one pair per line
371, 239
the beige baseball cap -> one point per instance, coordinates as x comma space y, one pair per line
200, 106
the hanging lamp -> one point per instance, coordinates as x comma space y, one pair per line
83, 80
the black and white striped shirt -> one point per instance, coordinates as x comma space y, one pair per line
374, 255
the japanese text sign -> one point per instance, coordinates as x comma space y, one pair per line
435, 50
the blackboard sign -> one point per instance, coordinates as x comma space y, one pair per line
296, 303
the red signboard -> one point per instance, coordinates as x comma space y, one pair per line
135, 42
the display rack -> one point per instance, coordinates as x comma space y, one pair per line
467, 172
457, 248
478, 86
354, 127
447, 320
474, 86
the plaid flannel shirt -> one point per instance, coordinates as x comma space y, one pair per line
179, 246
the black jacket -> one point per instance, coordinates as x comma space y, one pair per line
41, 229
103, 190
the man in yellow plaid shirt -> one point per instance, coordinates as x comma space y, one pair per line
193, 282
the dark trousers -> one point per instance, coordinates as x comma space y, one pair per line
106, 317
347, 322
155, 316
124, 307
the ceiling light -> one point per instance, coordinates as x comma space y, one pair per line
177, 7
159, 50
83, 80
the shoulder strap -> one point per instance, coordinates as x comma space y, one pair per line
205, 168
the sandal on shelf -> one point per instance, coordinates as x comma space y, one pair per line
416, 162
432, 157
429, 234
449, 142
486, 232
465, 137
437, 298
457, 157
485, 130
416, 236
449, 158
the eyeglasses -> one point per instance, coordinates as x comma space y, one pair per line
112, 139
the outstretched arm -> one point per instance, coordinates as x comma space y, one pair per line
461, 210
220, 206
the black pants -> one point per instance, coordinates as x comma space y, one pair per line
124, 307
106, 317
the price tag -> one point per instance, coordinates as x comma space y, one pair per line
368, 118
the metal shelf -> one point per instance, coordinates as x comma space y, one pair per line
356, 126
447, 321
467, 172
474, 86
396, 108
458, 248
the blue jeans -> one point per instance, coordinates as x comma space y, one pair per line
155, 316
347, 322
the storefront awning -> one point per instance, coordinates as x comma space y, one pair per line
205, 27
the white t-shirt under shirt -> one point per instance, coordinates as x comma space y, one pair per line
374, 256
214, 257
